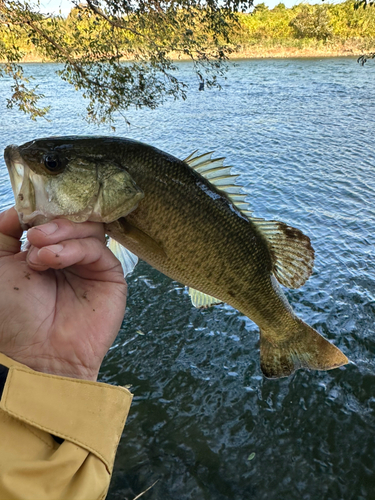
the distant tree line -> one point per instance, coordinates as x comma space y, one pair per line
335, 22
97, 36
86, 32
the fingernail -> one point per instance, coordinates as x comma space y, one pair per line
48, 228
56, 249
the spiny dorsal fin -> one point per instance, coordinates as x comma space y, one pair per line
291, 252
221, 177
202, 300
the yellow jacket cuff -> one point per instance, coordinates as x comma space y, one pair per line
88, 416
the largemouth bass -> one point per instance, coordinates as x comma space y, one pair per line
189, 220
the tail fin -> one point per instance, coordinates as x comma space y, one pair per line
306, 348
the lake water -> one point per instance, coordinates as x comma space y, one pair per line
204, 422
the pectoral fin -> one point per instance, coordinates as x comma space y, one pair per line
136, 239
126, 257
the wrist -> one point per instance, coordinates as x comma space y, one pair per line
56, 366
77, 373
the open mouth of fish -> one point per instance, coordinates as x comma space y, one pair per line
27, 187
35, 197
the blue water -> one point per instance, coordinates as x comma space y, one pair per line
300, 133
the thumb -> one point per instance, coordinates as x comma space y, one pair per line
10, 232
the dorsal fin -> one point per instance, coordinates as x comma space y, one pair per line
291, 251
221, 177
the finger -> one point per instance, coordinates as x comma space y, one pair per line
62, 229
10, 232
89, 253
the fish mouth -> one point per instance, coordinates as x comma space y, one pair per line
27, 187
78, 194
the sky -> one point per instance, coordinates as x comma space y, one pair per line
53, 6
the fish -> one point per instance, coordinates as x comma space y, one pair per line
190, 220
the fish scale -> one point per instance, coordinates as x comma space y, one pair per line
187, 219
210, 251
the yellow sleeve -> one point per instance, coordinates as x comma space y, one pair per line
88, 417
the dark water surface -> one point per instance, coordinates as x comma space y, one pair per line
301, 134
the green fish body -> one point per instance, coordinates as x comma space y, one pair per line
188, 220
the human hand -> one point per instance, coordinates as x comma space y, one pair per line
63, 300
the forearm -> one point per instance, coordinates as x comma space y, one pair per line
87, 418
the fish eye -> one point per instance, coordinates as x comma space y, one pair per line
52, 163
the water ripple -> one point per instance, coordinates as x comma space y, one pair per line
300, 134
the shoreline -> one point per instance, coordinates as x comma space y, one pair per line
234, 57
258, 52
294, 52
